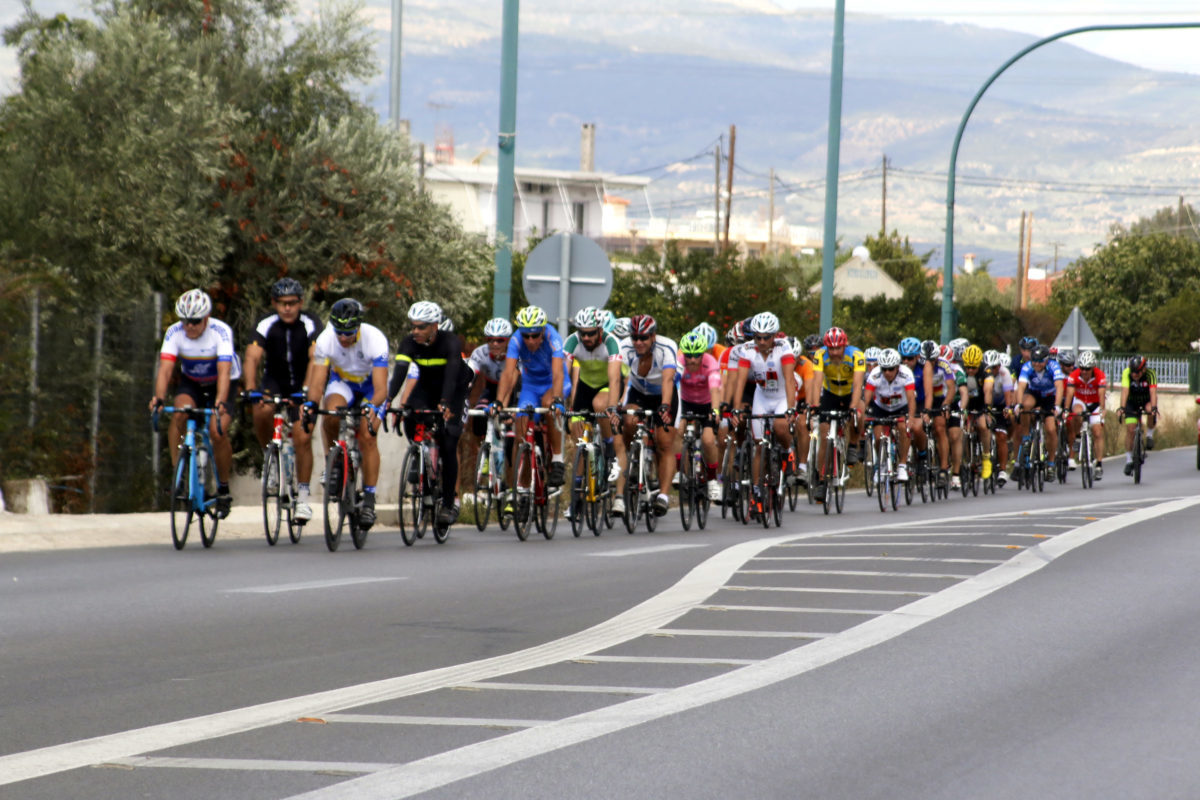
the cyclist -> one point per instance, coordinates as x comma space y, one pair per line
283, 343
1041, 384
430, 374
349, 367
871, 357
700, 393
487, 363
998, 398
771, 362
1024, 350
978, 391
208, 366
939, 380
891, 394
651, 360
803, 373
715, 349
1066, 362
535, 356
1139, 395
951, 353
1086, 387
595, 364
838, 373
910, 356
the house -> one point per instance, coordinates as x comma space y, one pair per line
862, 277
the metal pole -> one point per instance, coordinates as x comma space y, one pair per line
564, 284
97, 373
394, 65
507, 144
717, 202
156, 442
948, 255
832, 157
34, 329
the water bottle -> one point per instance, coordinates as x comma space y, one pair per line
202, 459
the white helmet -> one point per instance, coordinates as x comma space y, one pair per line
1005, 360
872, 353
425, 311
446, 325
497, 327
764, 323
193, 304
587, 317
991, 358
1086, 360
889, 358
621, 327
958, 345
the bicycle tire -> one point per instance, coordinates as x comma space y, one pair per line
779, 479
1139, 455
1086, 461
272, 505
651, 516
632, 492
334, 511
522, 510
482, 511
879, 474
599, 493
745, 479
440, 532
687, 508
893, 486
578, 482
726, 470
410, 497
908, 484
288, 470
700, 496
839, 486
548, 507
826, 481
869, 469
208, 519
181, 500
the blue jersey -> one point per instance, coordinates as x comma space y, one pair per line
1042, 383
536, 364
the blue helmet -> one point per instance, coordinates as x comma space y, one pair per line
910, 346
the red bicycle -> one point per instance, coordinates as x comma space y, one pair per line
532, 500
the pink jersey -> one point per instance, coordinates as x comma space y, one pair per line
696, 387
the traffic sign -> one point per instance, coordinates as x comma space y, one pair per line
564, 273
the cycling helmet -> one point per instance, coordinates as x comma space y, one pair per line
764, 323
1066, 358
346, 315
193, 304
992, 358
497, 327
446, 325
693, 343
425, 312
285, 287
929, 349
910, 346
1086, 360
642, 325
1005, 360
889, 358
531, 317
586, 317
606, 319
1137, 362
1027, 343
958, 346
945, 353
836, 337
871, 354
812, 342
731, 335
1040, 353
708, 332
620, 327
972, 356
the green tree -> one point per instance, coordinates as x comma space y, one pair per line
1174, 326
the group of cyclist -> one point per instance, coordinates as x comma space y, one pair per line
609, 366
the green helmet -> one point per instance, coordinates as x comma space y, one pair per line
531, 317
693, 343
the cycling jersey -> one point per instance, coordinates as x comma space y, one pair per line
352, 365
662, 356
892, 396
767, 370
482, 363
729, 359
1002, 383
1139, 388
537, 365
442, 376
285, 350
696, 386
802, 374
1087, 391
198, 358
593, 364
838, 376
1042, 383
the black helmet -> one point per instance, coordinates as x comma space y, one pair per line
1027, 343
285, 287
346, 314
812, 342
1040, 353
1136, 363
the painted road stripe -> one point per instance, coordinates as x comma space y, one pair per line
794, 610
297, 587
638, 551
895, 544
465, 722
743, 634
716, 662
992, 561
449, 767
256, 764
855, 573
814, 590
556, 687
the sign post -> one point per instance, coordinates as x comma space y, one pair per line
564, 273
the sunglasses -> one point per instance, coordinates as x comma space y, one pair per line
288, 303
498, 340
419, 326
530, 334
641, 337
763, 337
590, 332
345, 333
696, 356
193, 321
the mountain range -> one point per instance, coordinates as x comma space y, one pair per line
1080, 140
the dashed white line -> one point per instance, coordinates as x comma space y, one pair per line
465, 722
557, 687
256, 764
853, 573
298, 587
743, 634
991, 561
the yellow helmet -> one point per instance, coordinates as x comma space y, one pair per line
972, 356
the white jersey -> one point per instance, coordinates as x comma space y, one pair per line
892, 395
198, 358
767, 370
482, 363
663, 356
352, 364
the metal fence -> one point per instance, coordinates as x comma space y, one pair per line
1173, 370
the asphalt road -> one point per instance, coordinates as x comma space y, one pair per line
853, 656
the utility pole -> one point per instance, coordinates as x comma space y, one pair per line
771, 215
832, 159
506, 160
883, 221
717, 200
1179, 230
729, 183
1028, 256
1020, 266
394, 66
1056, 245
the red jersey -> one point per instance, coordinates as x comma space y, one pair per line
1087, 391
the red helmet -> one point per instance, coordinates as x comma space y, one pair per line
946, 352
642, 325
836, 337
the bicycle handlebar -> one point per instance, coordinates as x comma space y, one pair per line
195, 413
347, 411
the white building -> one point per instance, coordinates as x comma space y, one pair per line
862, 277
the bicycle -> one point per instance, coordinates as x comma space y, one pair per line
883, 475
971, 468
835, 459
771, 479
490, 468
641, 473
743, 476
1139, 446
729, 483
590, 497
280, 486
193, 488
989, 483
1063, 452
1087, 447
421, 478
533, 501
694, 501
1031, 456
936, 477
343, 479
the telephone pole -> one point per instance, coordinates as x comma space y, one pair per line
771, 214
717, 200
883, 221
729, 183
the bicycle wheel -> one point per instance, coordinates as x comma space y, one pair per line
578, 481
597, 493
829, 477
1139, 454
335, 518
839, 484
879, 475
272, 488
352, 497
633, 494
726, 472
410, 509
181, 500
648, 455
208, 519
700, 495
908, 484
440, 532
295, 527
893, 484
482, 505
745, 479
522, 509
687, 507
548, 508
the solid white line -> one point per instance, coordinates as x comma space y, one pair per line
556, 687
815, 590
883, 558
855, 573
910, 534
255, 764
743, 634
895, 544
638, 551
296, 587
794, 609
716, 662
448, 767
466, 722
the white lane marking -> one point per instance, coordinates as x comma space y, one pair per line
638, 551
743, 634
448, 767
795, 610
465, 722
693, 589
715, 662
814, 590
298, 587
883, 558
895, 544
854, 573
932, 534
557, 687
348, 767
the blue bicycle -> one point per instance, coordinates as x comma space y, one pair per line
194, 485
